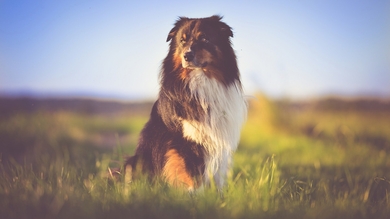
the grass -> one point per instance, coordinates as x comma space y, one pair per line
291, 163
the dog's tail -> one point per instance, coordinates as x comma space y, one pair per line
130, 168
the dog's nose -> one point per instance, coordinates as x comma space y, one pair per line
189, 56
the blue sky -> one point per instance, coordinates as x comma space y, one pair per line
293, 49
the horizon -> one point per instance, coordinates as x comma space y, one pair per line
74, 95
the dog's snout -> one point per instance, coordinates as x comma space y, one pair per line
189, 56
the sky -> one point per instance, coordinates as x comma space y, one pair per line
114, 49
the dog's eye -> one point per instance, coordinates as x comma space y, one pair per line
182, 40
203, 38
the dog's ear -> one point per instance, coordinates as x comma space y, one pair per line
226, 29
177, 26
223, 27
172, 33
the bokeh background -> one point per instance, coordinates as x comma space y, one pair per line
78, 80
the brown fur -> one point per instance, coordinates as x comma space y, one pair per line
175, 170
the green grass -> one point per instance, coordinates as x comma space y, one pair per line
306, 163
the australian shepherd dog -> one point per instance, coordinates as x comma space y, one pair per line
195, 124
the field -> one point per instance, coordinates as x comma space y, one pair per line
326, 158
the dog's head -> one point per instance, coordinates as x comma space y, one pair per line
200, 43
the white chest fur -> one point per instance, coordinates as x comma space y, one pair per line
225, 109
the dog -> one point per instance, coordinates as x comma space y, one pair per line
195, 124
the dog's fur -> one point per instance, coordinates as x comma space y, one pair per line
195, 124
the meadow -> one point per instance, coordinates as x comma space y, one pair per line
327, 158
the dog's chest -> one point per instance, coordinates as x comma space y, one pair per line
225, 110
